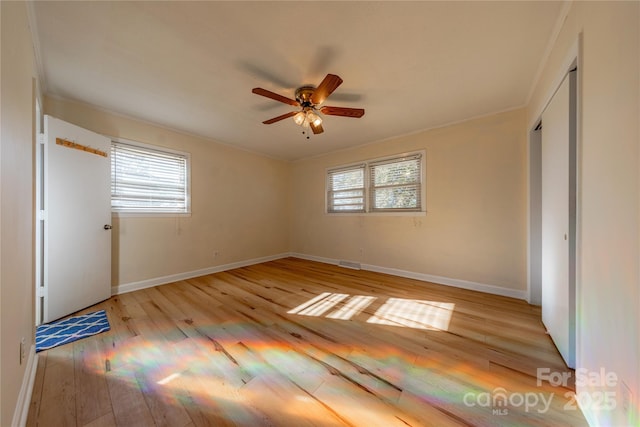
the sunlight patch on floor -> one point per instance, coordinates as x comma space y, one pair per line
413, 313
324, 305
408, 313
309, 303
352, 308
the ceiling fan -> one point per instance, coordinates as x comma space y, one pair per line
309, 98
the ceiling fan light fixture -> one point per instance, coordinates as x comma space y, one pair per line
300, 118
314, 118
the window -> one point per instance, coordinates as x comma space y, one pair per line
346, 189
382, 185
146, 179
395, 184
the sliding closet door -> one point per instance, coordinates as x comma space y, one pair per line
558, 220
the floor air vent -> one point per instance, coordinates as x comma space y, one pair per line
349, 264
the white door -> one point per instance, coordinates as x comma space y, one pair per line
77, 218
558, 291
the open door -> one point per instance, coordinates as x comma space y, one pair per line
77, 219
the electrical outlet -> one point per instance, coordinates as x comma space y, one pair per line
23, 345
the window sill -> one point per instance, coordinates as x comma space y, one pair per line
150, 214
421, 213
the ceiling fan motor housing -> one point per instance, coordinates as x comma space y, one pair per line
303, 95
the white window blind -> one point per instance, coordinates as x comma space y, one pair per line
345, 189
395, 184
149, 180
391, 184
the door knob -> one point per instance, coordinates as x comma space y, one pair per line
107, 227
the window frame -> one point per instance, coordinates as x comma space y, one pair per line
328, 198
368, 187
372, 165
151, 212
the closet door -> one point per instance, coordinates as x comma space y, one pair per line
558, 226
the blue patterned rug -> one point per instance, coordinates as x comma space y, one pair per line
69, 330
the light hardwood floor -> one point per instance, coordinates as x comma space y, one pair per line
294, 343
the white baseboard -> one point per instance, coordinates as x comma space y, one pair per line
156, 281
458, 283
315, 258
21, 410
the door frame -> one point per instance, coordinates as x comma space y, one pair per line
38, 216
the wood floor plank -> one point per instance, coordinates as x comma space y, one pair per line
129, 405
359, 408
202, 409
296, 342
92, 394
36, 394
106, 420
163, 404
58, 398
286, 404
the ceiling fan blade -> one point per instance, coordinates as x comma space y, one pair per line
275, 96
328, 85
342, 111
316, 128
282, 117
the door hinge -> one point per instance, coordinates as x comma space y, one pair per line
41, 138
40, 291
42, 215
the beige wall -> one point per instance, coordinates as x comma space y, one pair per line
240, 205
475, 226
476, 199
16, 201
608, 302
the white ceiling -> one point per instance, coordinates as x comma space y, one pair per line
191, 65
